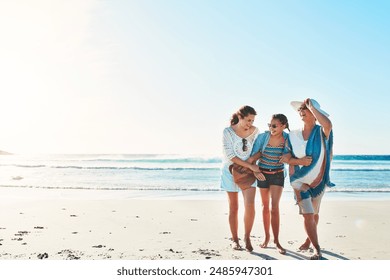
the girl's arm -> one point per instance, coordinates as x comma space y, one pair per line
290, 160
254, 157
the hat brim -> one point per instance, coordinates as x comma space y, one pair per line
297, 104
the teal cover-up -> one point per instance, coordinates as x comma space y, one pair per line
313, 149
262, 140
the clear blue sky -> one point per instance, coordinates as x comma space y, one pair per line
165, 76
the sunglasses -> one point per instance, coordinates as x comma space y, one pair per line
244, 146
272, 125
303, 107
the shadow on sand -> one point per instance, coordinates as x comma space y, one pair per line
300, 256
263, 256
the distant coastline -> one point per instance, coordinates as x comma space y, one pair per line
4, 153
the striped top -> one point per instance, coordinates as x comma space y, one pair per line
270, 157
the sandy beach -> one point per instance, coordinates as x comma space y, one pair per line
69, 225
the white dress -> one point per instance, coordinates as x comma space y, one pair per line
233, 147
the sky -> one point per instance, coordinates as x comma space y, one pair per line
165, 76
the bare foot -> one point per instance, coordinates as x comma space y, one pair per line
316, 256
248, 245
305, 246
236, 245
281, 250
265, 243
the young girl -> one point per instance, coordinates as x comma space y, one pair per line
268, 149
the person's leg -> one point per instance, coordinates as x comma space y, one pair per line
276, 193
316, 207
311, 230
309, 209
306, 245
316, 218
264, 192
233, 218
249, 215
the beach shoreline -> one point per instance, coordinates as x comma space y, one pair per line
34, 193
101, 225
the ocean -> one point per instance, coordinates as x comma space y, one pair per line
363, 174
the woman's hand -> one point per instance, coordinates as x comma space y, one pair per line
297, 195
260, 176
305, 161
308, 103
285, 158
254, 158
254, 168
304, 187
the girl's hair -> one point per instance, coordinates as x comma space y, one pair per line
282, 118
243, 112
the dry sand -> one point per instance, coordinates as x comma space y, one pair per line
58, 228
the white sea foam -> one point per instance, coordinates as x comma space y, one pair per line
178, 173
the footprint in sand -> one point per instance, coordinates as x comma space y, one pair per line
17, 239
22, 232
173, 251
43, 256
207, 253
71, 255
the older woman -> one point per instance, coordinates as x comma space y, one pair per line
309, 165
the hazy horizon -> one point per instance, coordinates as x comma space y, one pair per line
158, 154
